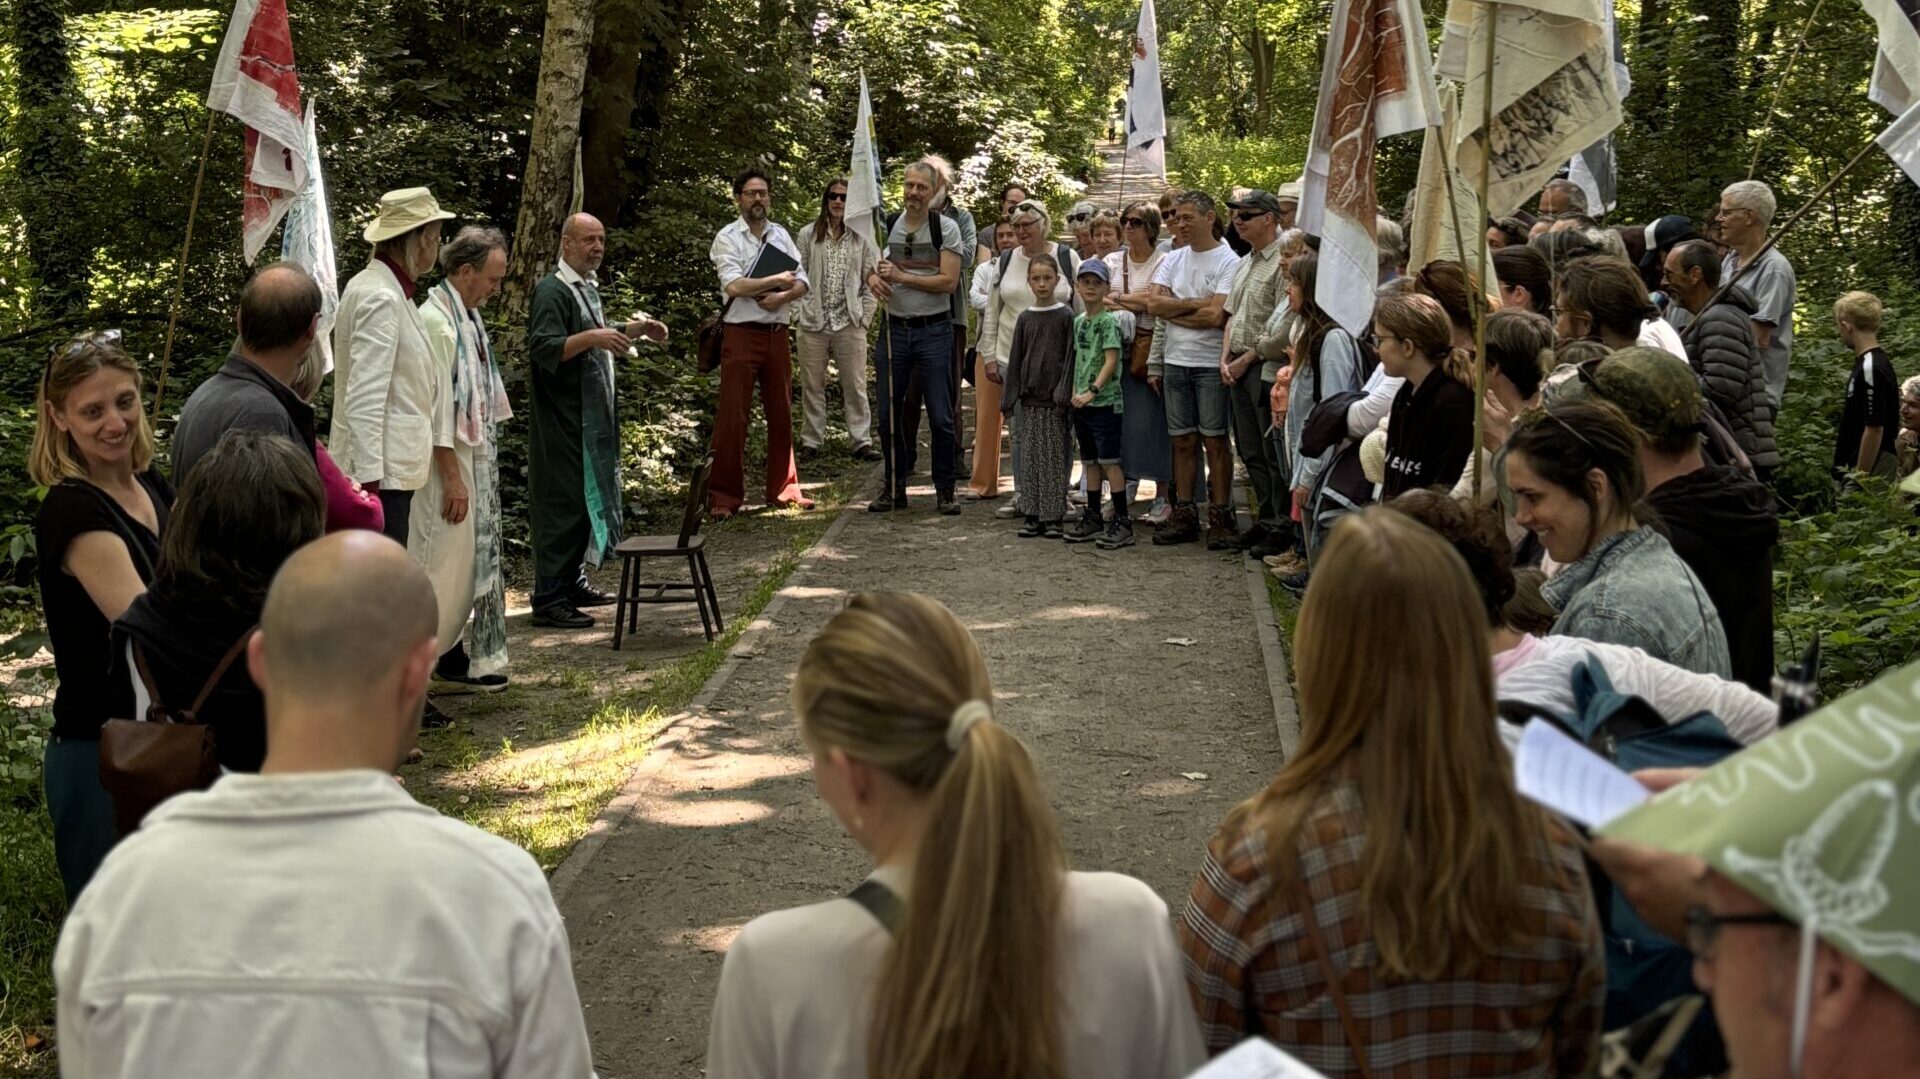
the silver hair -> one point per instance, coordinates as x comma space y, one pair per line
470, 247
942, 168
928, 167
1391, 239
1576, 195
1032, 208
1911, 387
1752, 195
1607, 240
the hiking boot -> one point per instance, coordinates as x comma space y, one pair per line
1220, 528
1286, 564
1033, 529
562, 615
888, 503
1181, 526
1119, 534
1252, 537
1088, 528
945, 506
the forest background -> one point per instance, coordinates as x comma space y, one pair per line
101, 124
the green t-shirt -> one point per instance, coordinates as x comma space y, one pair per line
1093, 335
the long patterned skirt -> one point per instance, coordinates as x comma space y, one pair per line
1042, 434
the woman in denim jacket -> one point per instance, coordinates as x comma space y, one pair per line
1574, 469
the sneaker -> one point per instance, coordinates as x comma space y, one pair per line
452, 684
1033, 529
1118, 534
1181, 526
1051, 530
585, 595
1285, 564
1220, 528
1009, 511
1269, 547
1159, 511
888, 503
945, 506
433, 719
1088, 528
1297, 583
1076, 496
562, 615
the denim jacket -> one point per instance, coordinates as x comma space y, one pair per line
1632, 589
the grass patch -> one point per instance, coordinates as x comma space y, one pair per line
543, 781
31, 907
1286, 616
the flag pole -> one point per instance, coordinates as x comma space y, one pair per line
1478, 301
180, 278
1785, 74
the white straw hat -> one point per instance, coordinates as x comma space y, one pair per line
403, 211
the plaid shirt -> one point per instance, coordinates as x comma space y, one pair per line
1531, 1009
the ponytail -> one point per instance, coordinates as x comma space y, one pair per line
970, 983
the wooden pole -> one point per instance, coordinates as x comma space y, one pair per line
1478, 300
1785, 73
1805, 208
180, 279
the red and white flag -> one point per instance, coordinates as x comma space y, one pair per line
1377, 80
254, 81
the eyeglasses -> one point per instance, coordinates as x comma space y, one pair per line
1078, 217
1703, 927
109, 338
1133, 222
837, 196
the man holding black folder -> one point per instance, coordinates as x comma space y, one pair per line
760, 275
916, 279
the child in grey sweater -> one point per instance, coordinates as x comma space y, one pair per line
1039, 377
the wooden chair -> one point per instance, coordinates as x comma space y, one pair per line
688, 544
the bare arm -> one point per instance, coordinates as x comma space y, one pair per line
100, 562
1762, 334
1210, 315
945, 281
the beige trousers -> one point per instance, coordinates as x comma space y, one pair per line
847, 348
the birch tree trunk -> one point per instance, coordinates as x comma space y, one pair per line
547, 188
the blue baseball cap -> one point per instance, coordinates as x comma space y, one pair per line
1094, 268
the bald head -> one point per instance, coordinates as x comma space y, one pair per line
583, 243
344, 614
278, 308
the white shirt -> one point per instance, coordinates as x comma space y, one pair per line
1659, 333
383, 384
982, 285
316, 925
1539, 671
1129, 276
1011, 296
795, 992
734, 252
1196, 275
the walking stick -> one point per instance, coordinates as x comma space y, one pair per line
180, 278
1785, 73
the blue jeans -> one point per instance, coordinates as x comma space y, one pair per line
82, 811
901, 353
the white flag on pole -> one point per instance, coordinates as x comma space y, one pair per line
863, 174
1896, 79
308, 240
1434, 237
254, 81
1146, 112
1376, 81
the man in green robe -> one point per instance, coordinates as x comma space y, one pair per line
573, 453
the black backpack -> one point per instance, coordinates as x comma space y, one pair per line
933, 223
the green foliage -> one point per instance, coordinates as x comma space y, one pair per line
1851, 575
1215, 163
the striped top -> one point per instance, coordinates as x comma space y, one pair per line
1533, 1008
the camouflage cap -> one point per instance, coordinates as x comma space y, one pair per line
1656, 389
1821, 820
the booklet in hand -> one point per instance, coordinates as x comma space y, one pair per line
1255, 1058
772, 261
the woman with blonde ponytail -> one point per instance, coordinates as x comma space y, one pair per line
1430, 432
971, 950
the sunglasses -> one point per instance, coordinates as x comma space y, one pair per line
1249, 215
1133, 222
837, 196
1078, 217
85, 342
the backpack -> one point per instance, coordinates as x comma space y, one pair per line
933, 223
1369, 359
1645, 971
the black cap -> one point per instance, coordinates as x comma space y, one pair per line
1256, 200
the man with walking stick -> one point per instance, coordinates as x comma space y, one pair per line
918, 272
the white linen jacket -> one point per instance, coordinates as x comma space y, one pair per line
383, 384
810, 311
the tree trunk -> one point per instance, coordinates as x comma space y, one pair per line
637, 46
547, 188
1765, 34
1260, 49
1648, 102
46, 132
1703, 131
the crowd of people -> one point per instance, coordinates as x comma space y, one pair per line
300, 598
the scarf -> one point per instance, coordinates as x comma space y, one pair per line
479, 397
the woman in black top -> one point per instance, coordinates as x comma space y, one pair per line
1431, 430
249, 502
98, 537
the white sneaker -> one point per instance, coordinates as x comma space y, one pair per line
1009, 511
1160, 511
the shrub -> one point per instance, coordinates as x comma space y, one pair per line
1215, 163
